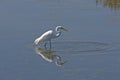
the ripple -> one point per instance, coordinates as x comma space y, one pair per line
77, 46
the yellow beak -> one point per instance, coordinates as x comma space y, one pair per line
64, 29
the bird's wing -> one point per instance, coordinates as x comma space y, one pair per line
47, 35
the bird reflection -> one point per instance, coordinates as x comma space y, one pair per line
49, 56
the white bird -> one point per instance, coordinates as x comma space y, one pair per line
51, 34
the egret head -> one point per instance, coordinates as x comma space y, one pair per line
60, 28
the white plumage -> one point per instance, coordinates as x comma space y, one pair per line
44, 37
47, 36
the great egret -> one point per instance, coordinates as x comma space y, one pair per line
51, 34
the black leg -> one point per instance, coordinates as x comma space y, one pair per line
50, 44
45, 45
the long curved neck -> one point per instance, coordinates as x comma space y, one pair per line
58, 32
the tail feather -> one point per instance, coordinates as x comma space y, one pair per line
36, 41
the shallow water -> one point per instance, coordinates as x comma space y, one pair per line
88, 51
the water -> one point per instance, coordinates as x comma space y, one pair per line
88, 51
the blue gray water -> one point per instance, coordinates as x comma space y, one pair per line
90, 50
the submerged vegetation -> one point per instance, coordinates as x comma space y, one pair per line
112, 4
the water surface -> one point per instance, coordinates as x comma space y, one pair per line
88, 51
